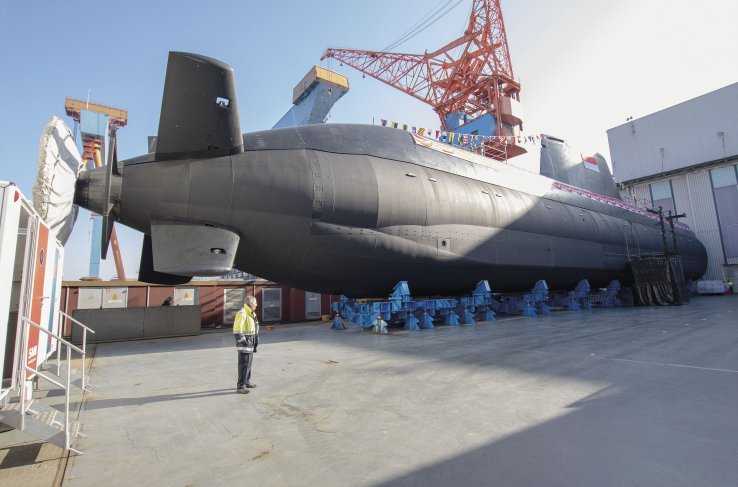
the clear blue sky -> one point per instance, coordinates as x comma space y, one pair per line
584, 65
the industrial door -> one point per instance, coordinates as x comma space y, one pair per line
271, 304
312, 306
232, 302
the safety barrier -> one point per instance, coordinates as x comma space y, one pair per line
27, 373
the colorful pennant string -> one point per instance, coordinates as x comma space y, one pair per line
469, 140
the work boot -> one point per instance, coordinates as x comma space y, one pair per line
242, 390
250, 386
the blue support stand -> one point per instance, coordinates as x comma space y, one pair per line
452, 319
380, 326
485, 314
481, 302
467, 318
369, 319
530, 304
527, 306
578, 299
582, 291
540, 296
338, 323
426, 322
610, 297
411, 323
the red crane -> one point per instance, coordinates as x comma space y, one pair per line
475, 82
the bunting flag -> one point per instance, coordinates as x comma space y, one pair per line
475, 140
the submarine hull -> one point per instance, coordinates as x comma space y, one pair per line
355, 222
353, 209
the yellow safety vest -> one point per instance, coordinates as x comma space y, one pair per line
245, 322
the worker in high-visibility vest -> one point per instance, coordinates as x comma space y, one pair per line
246, 332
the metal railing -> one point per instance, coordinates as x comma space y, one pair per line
29, 373
85, 329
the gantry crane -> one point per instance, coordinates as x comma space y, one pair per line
96, 121
469, 82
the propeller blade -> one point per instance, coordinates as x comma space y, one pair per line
107, 230
111, 170
112, 154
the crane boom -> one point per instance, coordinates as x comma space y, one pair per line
471, 76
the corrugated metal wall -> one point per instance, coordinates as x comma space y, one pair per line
695, 190
694, 132
137, 323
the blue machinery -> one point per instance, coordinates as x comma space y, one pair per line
313, 97
419, 314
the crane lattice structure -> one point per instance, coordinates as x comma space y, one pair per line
467, 79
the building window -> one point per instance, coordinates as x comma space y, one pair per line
662, 196
725, 189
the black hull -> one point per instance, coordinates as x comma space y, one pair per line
353, 209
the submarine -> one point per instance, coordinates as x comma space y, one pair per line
353, 209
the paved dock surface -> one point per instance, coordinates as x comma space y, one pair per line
630, 396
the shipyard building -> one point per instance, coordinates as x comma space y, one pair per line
684, 158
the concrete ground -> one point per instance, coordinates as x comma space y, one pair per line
630, 396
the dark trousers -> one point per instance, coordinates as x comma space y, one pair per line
244, 368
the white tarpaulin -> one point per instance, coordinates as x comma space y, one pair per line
59, 164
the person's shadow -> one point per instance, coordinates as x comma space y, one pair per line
140, 401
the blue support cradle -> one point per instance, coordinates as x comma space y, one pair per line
338, 323
582, 293
485, 314
411, 323
400, 307
380, 326
578, 298
540, 296
467, 317
610, 296
426, 321
452, 319
527, 305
